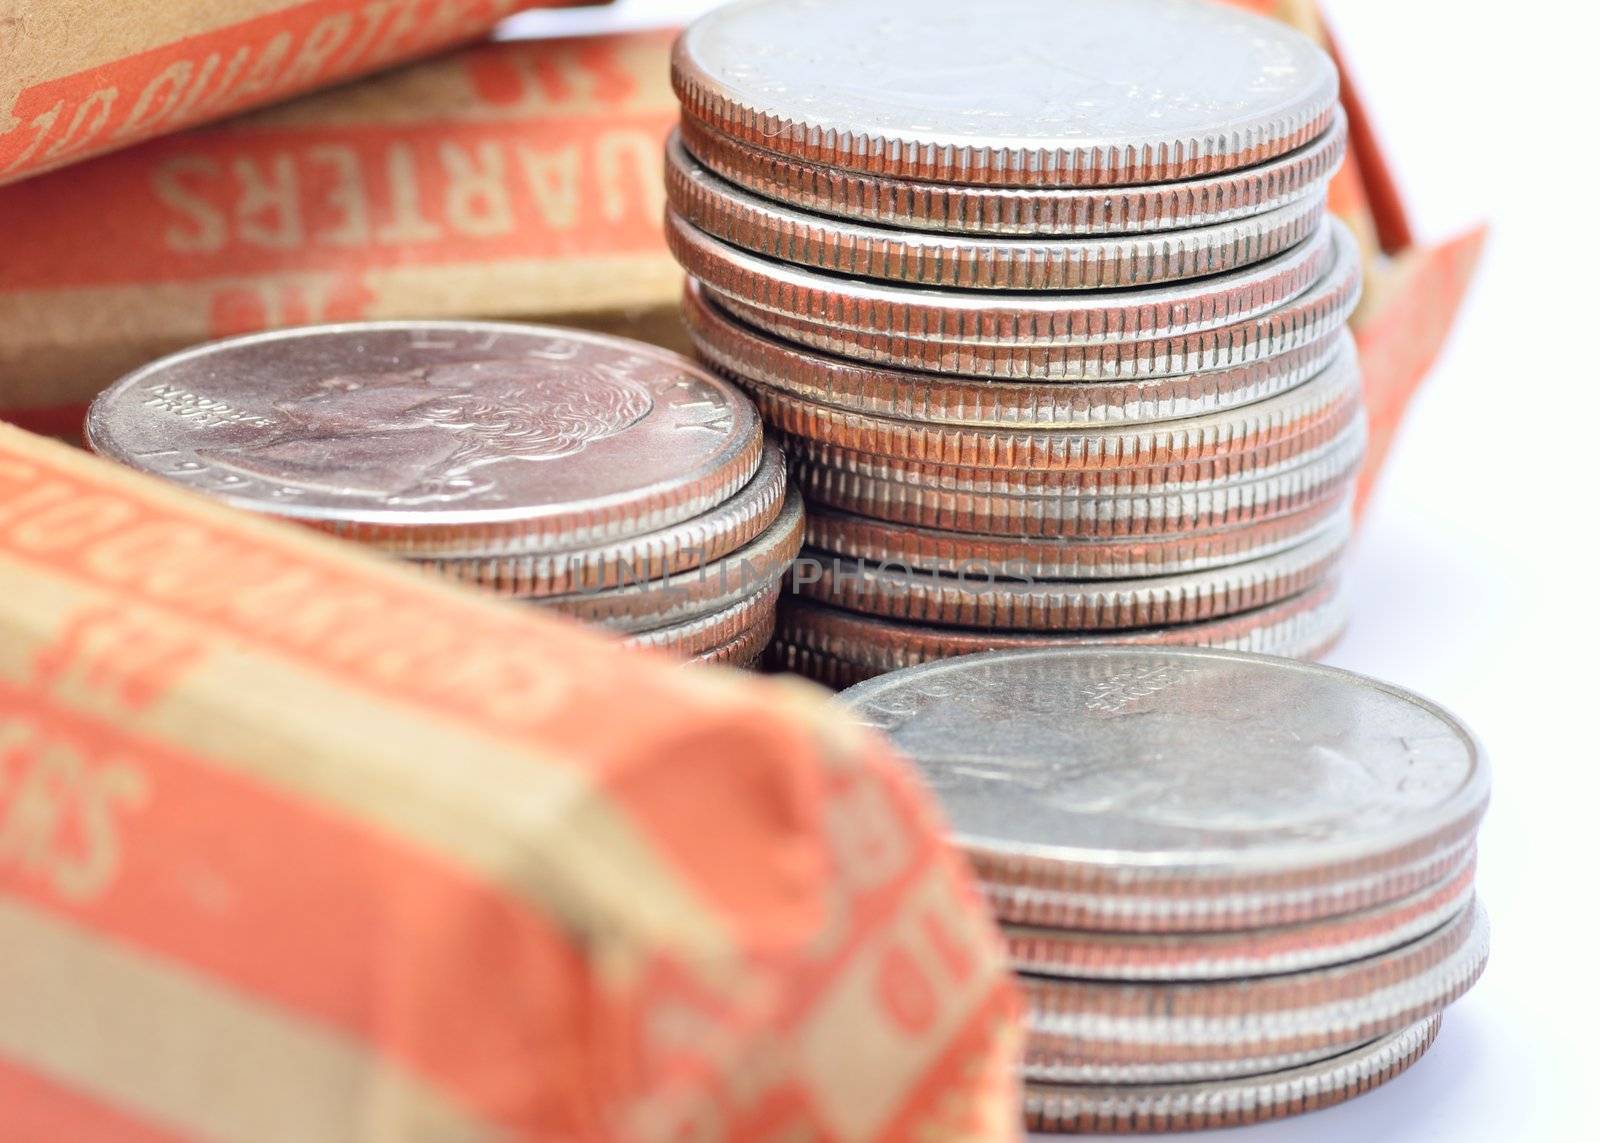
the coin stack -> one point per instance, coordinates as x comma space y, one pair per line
596, 476
1234, 887
1054, 338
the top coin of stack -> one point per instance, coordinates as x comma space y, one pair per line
1233, 886
601, 477
1054, 338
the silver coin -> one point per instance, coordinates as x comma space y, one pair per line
1003, 319
954, 553
956, 261
1096, 1031
1308, 317
952, 208
649, 558
842, 648
1095, 955
1339, 440
1284, 427
979, 596
644, 605
1013, 92
439, 438
695, 637
1126, 1108
955, 500
1180, 766
746, 353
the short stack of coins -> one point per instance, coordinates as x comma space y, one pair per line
1054, 339
597, 476
1233, 886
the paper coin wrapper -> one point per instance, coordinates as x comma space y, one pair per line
80, 77
298, 844
509, 180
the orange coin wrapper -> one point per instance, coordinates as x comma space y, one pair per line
296, 844
80, 77
516, 179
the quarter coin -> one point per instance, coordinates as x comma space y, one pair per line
978, 262
1278, 428
649, 558
747, 354
952, 208
924, 549
431, 439
1127, 1108
841, 648
1154, 1032
797, 297
1282, 326
1088, 955
1184, 788
646, 604
981, 597
1078, 92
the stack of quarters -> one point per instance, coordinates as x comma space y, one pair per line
600, 477
1233, 887
1055, 341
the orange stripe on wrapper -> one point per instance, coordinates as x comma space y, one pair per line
233, 203
286, 49
144, 845
1399, 338
201, 1060
312, 678
35, 1107
515, 179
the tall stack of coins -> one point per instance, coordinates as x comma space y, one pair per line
597, 476
1054, 338
1234, 887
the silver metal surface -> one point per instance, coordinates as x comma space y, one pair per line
1086, 954
1283, 429
1283, 326
979, 596
1001, 318
953, 208
1013, 92
1076, 505
957, 261
651, 557
841, 648
1223, 1103
1178, 762
1154, 1032
644, 605
1038, 557
746, 353
439, 438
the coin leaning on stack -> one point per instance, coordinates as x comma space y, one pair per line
1234, 887
1054, 341
596, 476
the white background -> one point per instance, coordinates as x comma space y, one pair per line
1474, 575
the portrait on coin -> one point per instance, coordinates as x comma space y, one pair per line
436, 433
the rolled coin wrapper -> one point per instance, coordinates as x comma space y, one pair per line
516, 180
78, 78
1413, 290
435, 866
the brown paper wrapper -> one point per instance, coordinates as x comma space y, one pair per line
300, 844
81, 77
1412, 291
510, 180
